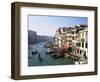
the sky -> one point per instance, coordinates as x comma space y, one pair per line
47, 25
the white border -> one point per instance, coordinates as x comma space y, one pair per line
37, 70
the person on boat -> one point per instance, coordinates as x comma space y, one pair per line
40, 58
34, 52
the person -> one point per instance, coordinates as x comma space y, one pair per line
34, 52
40, 58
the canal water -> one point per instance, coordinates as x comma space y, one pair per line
43, 59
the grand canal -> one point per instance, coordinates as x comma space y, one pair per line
43, 59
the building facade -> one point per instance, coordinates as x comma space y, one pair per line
75, 37
82, 45
61, 37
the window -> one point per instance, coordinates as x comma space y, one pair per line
59, 31
86, 44
77, 50
77, 31
72, 32
73, 37
80, 51
78, 44
82, 44
64, 29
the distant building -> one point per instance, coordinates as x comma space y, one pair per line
60, 37
32, 37
69, 36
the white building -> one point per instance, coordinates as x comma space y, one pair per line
60, 37
76, 39
82, 50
